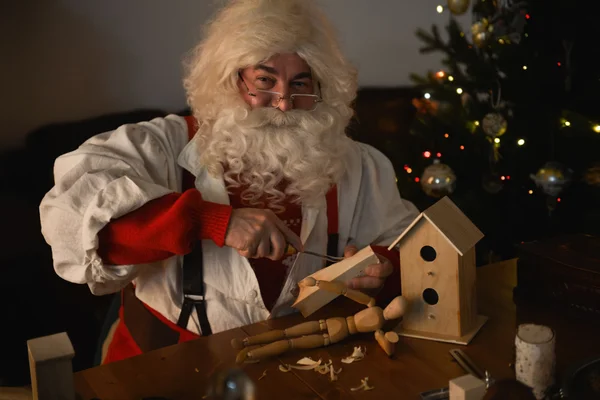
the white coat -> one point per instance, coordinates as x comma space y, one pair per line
116, 172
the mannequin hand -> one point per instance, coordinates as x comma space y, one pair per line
257, 233
374, 274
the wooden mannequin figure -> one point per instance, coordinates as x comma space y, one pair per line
313, 334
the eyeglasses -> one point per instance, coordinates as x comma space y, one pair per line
307, 102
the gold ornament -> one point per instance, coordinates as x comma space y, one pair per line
494, 125
482, 33
458, 7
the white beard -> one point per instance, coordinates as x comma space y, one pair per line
262, 147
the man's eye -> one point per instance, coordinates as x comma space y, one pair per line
264, 81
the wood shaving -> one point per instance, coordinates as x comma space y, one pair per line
357, 355
333, 373
306, 361
263, 375
364, 385
306, 367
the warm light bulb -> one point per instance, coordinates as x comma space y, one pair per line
596, 128
567, 123
440, 74
438, 155
446, 135
427, 95
427, 154
440, 9
530, 191
462, 147
409, 170
497, 140
524, 67
476, 123
450, 78
459, 90
502, 178
501, 41
521, 142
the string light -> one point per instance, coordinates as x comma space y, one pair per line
524, 67
439, 155
462, 147
527, 16
446, 135
409, 170
558, 200
440, 9
497, 140
417, 179
427, 95
476, 123
503, 178
521, 142
440, 74
459, 91
501, 41
567, 123
462, 34
427, 154
558, 63
450, 78
530, 191
596, 128
508, 177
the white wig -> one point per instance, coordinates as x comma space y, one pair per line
247, 32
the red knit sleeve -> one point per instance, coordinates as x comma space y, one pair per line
391, 287
162, 228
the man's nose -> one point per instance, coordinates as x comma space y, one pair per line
285, 104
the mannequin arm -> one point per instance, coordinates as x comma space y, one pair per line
340, 288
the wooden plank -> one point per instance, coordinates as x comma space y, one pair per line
50, 367
310, 299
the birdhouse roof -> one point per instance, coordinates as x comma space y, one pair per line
450, 221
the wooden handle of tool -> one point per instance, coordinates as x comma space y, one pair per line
305, 328
267, 337
269, 350
310, 341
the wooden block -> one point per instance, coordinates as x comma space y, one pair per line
467, 387
50, 367
310, 299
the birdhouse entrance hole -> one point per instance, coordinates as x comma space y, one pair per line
428, 253
430, 296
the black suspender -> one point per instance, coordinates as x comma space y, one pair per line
193, 290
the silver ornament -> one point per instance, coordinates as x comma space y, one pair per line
438, 180
494, 125
553, 177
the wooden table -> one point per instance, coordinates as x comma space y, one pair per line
184, 371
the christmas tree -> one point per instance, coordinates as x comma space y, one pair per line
510, 127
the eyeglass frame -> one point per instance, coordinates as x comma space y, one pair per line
318, 97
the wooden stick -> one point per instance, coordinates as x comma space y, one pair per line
276, 348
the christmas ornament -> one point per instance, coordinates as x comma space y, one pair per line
553, 177
494, 125
458, 7
438, 180
492, 183
482, 32
592, 175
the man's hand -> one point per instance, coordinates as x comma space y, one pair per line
374, 274
257, 233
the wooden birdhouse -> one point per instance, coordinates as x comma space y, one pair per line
438, 271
